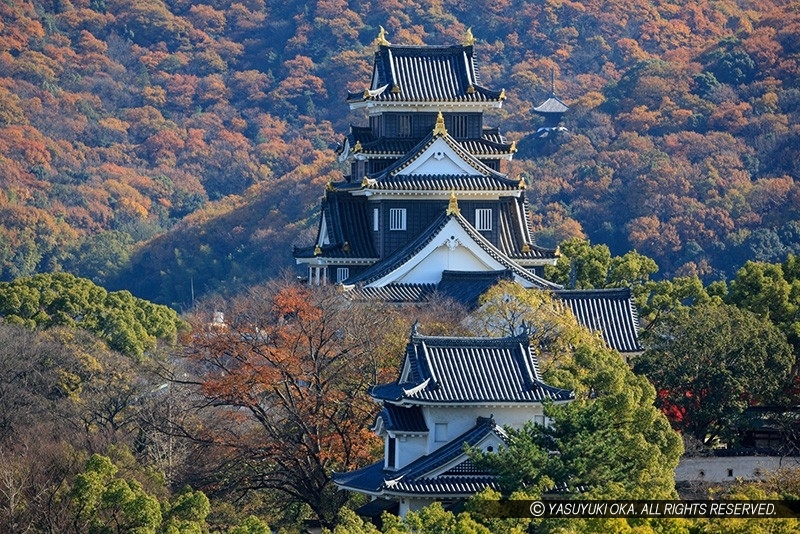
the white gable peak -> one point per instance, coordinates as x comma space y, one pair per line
439, 158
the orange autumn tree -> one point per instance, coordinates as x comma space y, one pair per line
284, 380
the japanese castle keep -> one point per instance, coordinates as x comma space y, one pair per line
425, 208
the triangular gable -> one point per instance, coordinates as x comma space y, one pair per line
440, 155
439, 158
450, 244
490, 442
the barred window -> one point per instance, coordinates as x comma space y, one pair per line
459, 126
397, 219
404, 126
376, 219
342, 274
483, 219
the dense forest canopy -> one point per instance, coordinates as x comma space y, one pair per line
171, 147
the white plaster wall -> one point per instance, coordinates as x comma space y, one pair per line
461, 419
728, 469
410, 448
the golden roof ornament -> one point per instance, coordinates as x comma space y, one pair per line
358, 147
502, 94
526, 248
452, 206
329, 185
439, 129
470, 89
396, 89
558, 251
522, 184
382, 37
346, 247
365, 182
317, 250
513, 147
469, 39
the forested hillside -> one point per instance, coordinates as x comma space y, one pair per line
177, 147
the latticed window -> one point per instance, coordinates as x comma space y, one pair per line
459, 126
397, 219
483, 219
404, 126
342, 274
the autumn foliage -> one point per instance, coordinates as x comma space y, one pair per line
286, 375
187, 143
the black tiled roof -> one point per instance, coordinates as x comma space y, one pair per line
402, 419
404, 254
395, 293
444, 370
611, 312
440, 182
490, 144
449, 486
414, 478
514, 233
347, 222
425, 74
466, 287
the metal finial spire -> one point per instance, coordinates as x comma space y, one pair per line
439, 129
469, 39
382, 37
452, 206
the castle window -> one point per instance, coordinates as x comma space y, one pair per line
483, 219
376, 219
440, 432
342, 274
390, 453
397, 219
404, 126
459, 126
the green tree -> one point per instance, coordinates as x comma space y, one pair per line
251, 525
658, 298
105, 503
712, 361
586, 266
610, 442
581, 265
185, 513
771, 291
128, 324
507, 308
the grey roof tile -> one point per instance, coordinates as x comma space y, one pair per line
415, 477
611, 312
403, 419
447, 370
